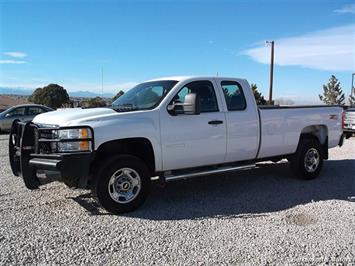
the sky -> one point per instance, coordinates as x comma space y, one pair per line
72, 43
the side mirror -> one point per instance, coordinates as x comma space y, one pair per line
191, 106
7, 115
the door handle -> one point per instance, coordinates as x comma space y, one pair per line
215, 122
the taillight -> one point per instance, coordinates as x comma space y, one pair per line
342, 119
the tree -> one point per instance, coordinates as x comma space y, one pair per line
118, 95
94, 102
260, 100
52, 95
36, 96
332, 92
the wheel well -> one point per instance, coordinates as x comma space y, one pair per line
318, 132
139, 147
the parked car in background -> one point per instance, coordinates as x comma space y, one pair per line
349, 122
24, 112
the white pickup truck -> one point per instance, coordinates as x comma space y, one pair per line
170, 128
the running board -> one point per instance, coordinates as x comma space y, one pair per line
171, 177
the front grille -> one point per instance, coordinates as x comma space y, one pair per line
36, 136
46, 139
349, 116
42, 146
46, 134
349, 119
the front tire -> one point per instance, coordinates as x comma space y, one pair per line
307, 162
122, 184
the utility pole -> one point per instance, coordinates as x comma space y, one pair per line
352, 92
102, 82
271, 70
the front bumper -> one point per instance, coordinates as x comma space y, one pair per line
69, 165
348, 132
26, 158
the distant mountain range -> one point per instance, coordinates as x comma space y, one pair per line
15, 91
26, 91
89, 94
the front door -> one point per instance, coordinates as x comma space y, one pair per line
15, 114
194, 140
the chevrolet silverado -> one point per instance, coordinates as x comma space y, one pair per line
169, 129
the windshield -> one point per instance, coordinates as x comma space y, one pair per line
146, 95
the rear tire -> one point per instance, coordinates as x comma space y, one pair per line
307, 162
122, 184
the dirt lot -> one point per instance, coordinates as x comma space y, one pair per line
7, 101
258, 216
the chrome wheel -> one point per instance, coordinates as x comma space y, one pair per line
124, 185
311, 160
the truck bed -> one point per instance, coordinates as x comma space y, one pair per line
281, 127
295, 106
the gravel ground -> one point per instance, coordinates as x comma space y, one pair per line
258, 216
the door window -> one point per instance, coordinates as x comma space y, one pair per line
205, 90
17, 112
35, 110
180, 97
234, 95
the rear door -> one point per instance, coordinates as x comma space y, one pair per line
194, 140
32, 111
242, 120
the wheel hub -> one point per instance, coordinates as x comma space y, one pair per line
311, 160
124, 185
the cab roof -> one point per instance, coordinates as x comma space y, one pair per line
181, 78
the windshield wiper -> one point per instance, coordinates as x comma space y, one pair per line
124, 107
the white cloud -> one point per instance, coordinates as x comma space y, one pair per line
16, 54
329, 49
346, 9
12, 62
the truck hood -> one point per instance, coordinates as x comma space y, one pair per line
66, 117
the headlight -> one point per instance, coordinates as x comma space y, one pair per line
73, 133
73, 139
74, 146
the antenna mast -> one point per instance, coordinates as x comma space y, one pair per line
102, 82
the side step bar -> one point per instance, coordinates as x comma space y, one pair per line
171, 177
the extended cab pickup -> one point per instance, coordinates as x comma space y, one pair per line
168, 129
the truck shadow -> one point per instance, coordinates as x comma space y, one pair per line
270, 188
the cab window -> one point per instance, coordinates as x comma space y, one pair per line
205, 90
233, 93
